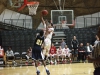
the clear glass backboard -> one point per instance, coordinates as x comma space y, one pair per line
59, 17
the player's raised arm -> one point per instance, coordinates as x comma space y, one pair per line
43, 21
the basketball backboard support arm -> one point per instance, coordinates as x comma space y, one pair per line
23, 6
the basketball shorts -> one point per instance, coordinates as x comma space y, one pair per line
52, 55
47, 46
37, 53
67, 55
10, 57
75, 52
60, 54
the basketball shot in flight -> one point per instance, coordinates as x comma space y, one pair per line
44, 12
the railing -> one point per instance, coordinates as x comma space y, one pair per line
81, 22
26, 23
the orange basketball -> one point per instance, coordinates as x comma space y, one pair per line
44, 12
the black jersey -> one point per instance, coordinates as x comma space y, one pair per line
74, 43
39, 41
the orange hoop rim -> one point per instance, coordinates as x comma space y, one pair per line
32, 3
27, 4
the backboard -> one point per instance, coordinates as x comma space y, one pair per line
62, 16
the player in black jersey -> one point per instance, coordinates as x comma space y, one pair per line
37, 52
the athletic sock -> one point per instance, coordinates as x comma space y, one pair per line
37, 69
46, 68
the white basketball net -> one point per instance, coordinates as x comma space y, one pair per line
32, 8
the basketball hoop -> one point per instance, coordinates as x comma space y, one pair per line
32, 6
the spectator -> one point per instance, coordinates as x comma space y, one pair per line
63, 44
81, 52
10, 54
29, 53
1, 52
88, 49
96, 41
96, 56
2, 56
52, 53
74, 44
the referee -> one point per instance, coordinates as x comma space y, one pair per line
96, 58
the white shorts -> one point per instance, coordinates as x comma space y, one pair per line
67, 54
47, 46
60, 54
52, 55
47, 42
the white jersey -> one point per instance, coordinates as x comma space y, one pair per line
59, 51
66, 51
50, 34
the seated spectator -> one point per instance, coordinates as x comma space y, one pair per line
9, 54
1, 52
88, 49
67, 53
52, 53
81, 52
29, 53
2, 57
60, 54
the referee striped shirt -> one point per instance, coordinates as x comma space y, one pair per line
96, 55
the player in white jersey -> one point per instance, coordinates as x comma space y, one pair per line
60, 54
48, 29
67, 53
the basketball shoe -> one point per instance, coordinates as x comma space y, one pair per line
38, 72
47, 71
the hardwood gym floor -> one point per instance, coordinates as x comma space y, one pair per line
60, 69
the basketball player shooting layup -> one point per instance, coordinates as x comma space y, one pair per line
48, 32
37, 52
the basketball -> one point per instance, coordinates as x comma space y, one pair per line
44, 12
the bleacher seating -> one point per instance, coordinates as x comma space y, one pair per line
20, 40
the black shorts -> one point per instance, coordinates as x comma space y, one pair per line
37, 53
75, 52
10, 57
